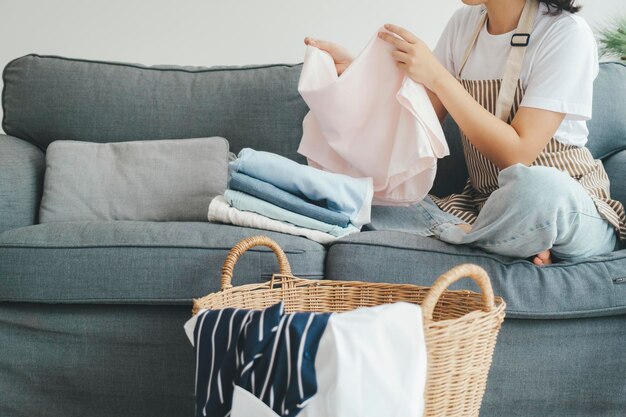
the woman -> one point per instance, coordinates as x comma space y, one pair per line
517, 77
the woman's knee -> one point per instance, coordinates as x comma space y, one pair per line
533, 177
544, 185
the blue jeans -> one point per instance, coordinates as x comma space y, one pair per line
246, 202
338, 192
534, 209
281, 198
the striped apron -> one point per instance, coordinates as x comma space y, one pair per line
483, 174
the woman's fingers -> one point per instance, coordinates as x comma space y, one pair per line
318, 43
400, 56
405, 34
401, 44
341, 56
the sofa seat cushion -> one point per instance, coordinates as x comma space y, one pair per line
137, 262
595, 286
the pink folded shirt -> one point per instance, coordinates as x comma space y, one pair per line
371, 121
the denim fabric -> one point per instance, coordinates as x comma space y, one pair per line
272, 194
247, 202
340, 193
420, 218
535, 208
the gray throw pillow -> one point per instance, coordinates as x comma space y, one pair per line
158, 180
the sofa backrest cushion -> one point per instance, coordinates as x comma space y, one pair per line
607, 127
451, 170
47, 98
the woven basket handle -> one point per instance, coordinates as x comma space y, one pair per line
245, 244
444, 281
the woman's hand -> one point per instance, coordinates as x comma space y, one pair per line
502, 143
340, 55
413, 56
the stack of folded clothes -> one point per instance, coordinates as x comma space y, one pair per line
271, 192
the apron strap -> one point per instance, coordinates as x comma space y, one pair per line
519, 42
513, 68
470, 46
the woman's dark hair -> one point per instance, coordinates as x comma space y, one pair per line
557, 6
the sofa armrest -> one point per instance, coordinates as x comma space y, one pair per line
22, 168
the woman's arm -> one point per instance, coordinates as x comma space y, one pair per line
503, 144
520, 142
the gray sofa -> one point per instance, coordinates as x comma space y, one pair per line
91, 313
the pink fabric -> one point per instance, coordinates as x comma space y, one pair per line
371, 121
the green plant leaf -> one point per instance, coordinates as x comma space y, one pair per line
613, 40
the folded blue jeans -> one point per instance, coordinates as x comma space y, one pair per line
534, 209
272, 194
247, 202
340, 193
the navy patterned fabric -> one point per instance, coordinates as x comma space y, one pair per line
266, 352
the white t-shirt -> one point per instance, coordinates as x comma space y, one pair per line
559, 67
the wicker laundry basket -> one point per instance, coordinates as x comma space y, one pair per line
460, 327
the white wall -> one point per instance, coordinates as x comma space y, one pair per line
212, 32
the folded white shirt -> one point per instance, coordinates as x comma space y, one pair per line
221, 211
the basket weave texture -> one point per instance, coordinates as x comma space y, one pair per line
460, 327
